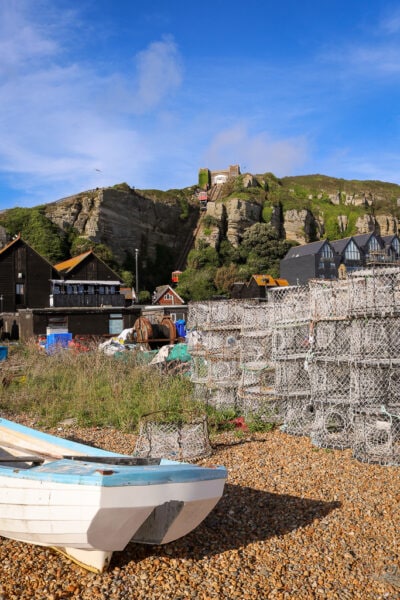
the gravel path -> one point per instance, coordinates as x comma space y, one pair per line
294, 522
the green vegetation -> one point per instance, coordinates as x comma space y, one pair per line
211, 272
99, 390
204, 178
37, 230
93, 388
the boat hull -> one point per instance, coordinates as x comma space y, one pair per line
88, 509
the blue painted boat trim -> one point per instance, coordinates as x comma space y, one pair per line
105, 475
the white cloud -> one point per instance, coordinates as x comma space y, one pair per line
256, 153
159, 72
60, 120
21, 42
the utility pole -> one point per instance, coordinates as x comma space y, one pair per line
137, 274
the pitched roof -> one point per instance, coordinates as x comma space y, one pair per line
268, 281
363, 238
18, 238
161, 290
340, 245
7, 246
71, 263
388, 239
305, 249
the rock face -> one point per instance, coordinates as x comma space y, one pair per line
125, 220
228, 219
301, 226
241, 214
386, 224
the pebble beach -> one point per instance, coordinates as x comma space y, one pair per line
295, 521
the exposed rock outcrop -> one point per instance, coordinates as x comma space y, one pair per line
301, 226
241, 214
125, 220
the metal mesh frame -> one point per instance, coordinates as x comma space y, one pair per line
328, 299
256, 317
174, 439
377, 436
330, 380
292, 377
375, 337
331, 338
374, 292
322, 358
332, 426
291, 340
290, 304
298, 414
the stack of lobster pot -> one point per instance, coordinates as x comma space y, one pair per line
329, 365
290, 319
256, 392
375, 364
215, 328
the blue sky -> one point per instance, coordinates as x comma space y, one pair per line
97, 92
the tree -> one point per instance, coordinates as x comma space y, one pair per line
38, 231
224, 277
262, 249
202, 257
197, 284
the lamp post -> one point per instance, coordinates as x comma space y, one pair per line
137, 274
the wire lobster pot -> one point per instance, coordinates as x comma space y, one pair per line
256, 317
291, 340
333, 426
210, 370
255, 348
164, 435
225, 314
223, 396
377, 436
370, 381
292, 377
219, 343
298, 414
329, 299
198, 315
374, 292
375, 337
257, 379
289, 304
330, 339
330, 380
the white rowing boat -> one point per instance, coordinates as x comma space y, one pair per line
87, 502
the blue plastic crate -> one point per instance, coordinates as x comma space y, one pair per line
3, 352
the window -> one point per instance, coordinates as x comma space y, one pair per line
168, 297
352, 252
19, 289
326, 251
373, 244
115, 323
